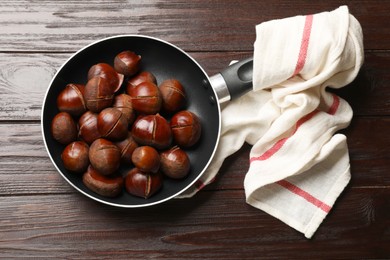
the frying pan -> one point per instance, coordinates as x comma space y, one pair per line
165, 61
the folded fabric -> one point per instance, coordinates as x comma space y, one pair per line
298, 165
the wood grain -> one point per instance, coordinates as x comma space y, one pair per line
195, 26
25, 77
72, 226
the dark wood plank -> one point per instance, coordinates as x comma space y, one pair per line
25, 77
26, 169
196, 25
218, 225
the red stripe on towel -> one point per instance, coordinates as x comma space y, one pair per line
305, 195
279, 144
304, 45
335, 105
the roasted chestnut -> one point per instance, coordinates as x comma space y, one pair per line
98, 94
104, 70
112, 124
146, 98
127, 63
104, 156
139, 78
123, 103
175, 163
146, 158
142, 184
63, 128
75, 157
186, 128
127, 148
107, 186
71, 99
152, 130
173, 95
88, 130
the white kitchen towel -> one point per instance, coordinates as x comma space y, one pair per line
298, 165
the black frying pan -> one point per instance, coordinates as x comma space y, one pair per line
165, 61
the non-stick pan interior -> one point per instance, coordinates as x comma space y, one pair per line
164, 61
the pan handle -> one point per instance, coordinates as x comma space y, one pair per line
234, 81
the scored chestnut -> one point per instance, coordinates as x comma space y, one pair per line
146, 158
98, 94
139, 78
107, 72
142, 184
173, 95
127, 147
112, 124
175, 163
104, 156
146, 98
152, 130
71, 99
63, 128
127, 63
75, 157
107, 186
88, 130
186, 128
123, 103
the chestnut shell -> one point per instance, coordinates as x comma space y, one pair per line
173, 95
63, 128
98, 94
186, 128
75, 156
71, 99
112, 124
104, 156
143, 184
175, 163
88, 130
152, 130
107, 186
107, 72
146, 158
146, 98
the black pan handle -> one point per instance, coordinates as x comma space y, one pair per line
234, 81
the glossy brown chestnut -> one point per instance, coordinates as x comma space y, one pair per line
146, 98
123, 103
107, 186
139, 78
173, 95
104, 70
88, 130
112, 124
127, 63
75, 157
146, 158
175, 163
71, 99
143, 184
63, 128
127, 148
104, 156
186, 128
152, 130
98, 94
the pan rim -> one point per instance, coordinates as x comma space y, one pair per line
112, 203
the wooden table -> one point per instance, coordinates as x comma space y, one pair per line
42, 216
